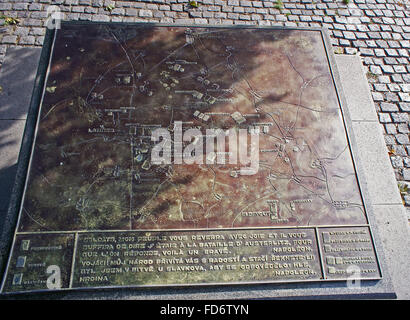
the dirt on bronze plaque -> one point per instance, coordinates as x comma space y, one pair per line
172, 155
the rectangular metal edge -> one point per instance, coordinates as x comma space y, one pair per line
334, 290
154, 24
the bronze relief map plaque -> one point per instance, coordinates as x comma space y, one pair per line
97, 211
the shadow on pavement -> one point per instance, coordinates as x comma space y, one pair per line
17, 75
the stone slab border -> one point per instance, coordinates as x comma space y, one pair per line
389, 232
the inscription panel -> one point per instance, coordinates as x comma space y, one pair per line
158, 258
40, 262
95, 190
348, 252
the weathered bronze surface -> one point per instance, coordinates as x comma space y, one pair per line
97, 212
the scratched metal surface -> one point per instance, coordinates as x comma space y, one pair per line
109, 86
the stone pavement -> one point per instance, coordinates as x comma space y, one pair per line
377, 30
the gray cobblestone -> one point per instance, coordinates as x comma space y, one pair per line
387, 69
387, 20
404, 96
20, 6
379, 53
388, 107
246, 3
381, 87
131, 12
34, 7
97, 3
392, 52
371, 44
403, 128
377, 96
384, 79
404, 106
27, 40
390, 128
233, 2
90, 10
397, 162
100, 17
377, 29
39, 41
21, 31
405, 87
362, 35
384, 117
74, 9
389, 139
351, 51
400, 69
366, 51
397, 78
249, 10
8, 39
177, 7
145, 13
37, 31
390, 60
394, 87
400, 150
400, 117
402, 138
5, 6
391, 96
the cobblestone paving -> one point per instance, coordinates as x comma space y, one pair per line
378, 30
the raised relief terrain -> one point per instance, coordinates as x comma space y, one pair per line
108, 88
92, 180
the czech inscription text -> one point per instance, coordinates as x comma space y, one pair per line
196, 257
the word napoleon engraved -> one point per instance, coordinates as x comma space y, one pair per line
174, 155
